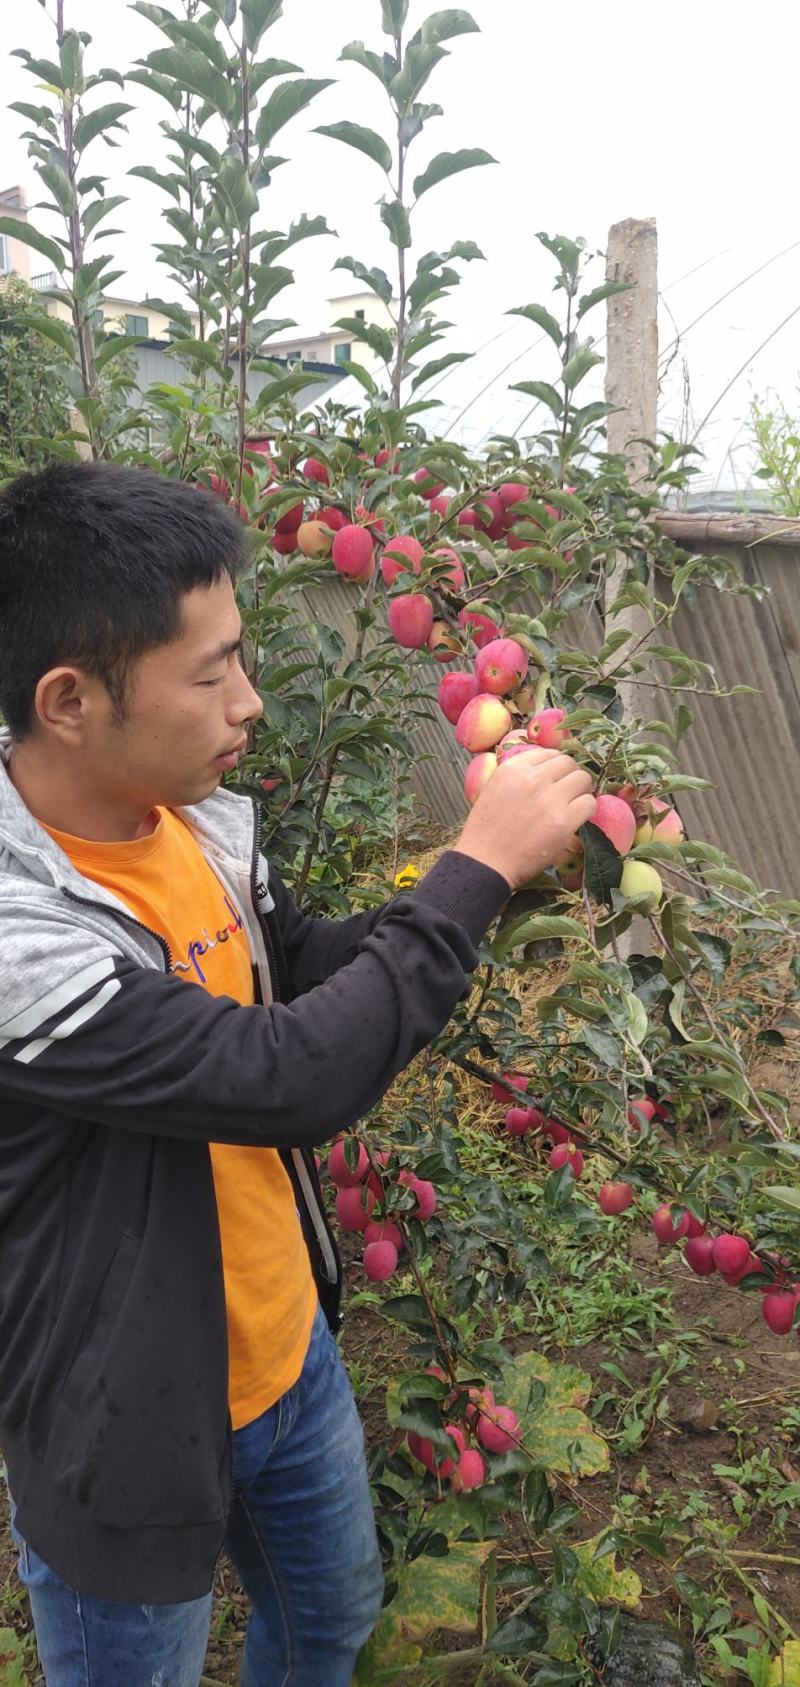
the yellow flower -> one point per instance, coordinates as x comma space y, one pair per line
407, 876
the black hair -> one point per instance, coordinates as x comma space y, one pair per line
95, 560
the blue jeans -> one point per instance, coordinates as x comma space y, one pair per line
301, 1535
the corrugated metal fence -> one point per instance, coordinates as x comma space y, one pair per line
749, 746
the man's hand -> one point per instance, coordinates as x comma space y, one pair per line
527, 814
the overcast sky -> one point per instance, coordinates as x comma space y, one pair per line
594, 111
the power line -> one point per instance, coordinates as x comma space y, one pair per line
723, 296
748, 360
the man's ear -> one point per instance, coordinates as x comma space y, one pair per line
61, 701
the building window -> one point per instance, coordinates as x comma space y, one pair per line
359, 314
5, 258
342, 353
137, 325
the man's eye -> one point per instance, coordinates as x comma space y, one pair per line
213, 681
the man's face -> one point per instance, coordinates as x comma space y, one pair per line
187, 708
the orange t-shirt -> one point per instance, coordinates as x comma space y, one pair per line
167, 884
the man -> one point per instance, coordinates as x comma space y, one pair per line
169, 1383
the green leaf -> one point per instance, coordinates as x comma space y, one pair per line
533, 929
12, 1669
542, 318
543, 391
450, 164
235, 189
258, 16
394, 216
41, 115
96, 122
168, 184
548, 1400
43, 68
409, 1310
90, 276
18, 230
99, 210
444, 26
603, 1046
60, 186
432, 1593
360, 374
682, 722
784, 1196
266, 69
157, 83
71, 57
191, 70
364, 140
114, 347
419, 63
378, 339
61, 334
393, 16
376, 279
602, 870
606, 291
383, 66
437, 366
716, 952
200, 37
285, 102
579, 365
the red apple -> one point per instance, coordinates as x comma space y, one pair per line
313, 469
778, 1307
354, 1208
290, 522
410, 619
380, 1261
616, 819
482, 723
699, 1254
665, 1227
352, 551
731, 1254
453, 577
480, 627
338, 1170
500, 666
615, 1198
443, 644
545, 729
399, 554
566, 1154
480, 769
517, 1080
455, 692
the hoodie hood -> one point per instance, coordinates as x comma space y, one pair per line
51, 914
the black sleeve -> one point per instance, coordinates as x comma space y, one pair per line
140, 1051
316, 948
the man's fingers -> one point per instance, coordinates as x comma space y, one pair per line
581, 809
577, 783
535, 757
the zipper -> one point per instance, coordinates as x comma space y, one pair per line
276, 981
319, 1221
130, 919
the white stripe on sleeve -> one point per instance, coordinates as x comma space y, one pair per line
68, 1026
61, 996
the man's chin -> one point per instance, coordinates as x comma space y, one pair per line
197, 792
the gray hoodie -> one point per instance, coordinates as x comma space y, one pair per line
113, 1080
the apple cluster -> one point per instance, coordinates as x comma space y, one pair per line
361, 1189
727, 1253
